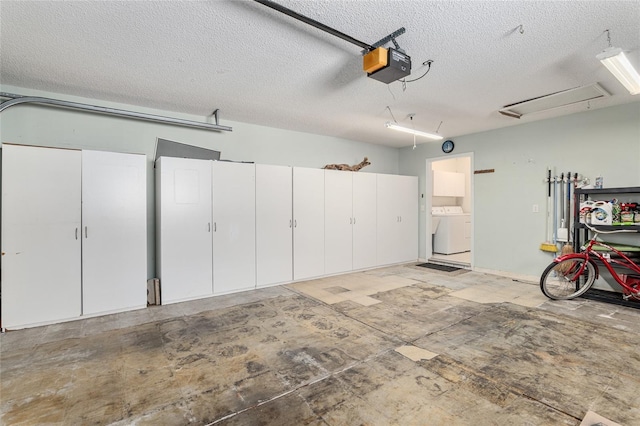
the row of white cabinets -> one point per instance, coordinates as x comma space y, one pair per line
74, 235
74, 238
226, 227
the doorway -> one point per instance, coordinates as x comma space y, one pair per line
449, 210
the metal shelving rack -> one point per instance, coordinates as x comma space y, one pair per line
580, 235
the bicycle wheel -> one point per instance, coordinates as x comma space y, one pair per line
567, 279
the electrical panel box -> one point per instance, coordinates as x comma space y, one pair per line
398, 66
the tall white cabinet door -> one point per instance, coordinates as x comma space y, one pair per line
41, 246
338, 221
408, 211
274, 225
364, 220
234, 217
388, 219
308, 223
184, 228
397, 218
114, 232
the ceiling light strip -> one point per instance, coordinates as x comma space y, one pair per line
618, 64
393, 126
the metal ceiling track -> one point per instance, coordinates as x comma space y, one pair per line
314, 23
18, 100
390, 38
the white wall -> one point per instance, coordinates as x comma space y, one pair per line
53, 127
507, 234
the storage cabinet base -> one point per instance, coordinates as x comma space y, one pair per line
610, 297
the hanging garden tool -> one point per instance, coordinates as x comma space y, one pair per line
563, 232
568, 247
548, 245
555, 210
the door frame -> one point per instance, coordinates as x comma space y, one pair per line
428, 193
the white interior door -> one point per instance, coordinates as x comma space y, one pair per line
308, 223
41, 246
234, 239
364, 220
184, 228
338, 221
114, 231
274, 225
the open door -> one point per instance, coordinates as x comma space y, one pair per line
449, 210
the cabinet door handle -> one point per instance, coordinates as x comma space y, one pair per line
295, 223
400, 218
215, 227
209, 225
290, 223
350, 221
86, 235
76, 233
354, 220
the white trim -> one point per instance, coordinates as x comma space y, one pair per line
428, 194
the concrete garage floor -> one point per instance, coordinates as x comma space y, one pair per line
395, 346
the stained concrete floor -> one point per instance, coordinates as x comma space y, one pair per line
395, 346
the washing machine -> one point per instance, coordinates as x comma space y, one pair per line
453, 232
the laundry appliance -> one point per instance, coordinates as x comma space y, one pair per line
453, 233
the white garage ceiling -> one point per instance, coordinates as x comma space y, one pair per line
260, 66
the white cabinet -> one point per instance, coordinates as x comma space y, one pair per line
274, 225
407, 193
114, 232
388, 220
234, 217
364, 220
397, 223
41, 246
448, 184
73, 234
338, 221
350, 221
308, 221
184, 228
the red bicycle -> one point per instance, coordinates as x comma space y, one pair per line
571, 275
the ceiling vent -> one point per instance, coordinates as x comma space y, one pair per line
555, 100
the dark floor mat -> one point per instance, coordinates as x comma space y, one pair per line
435, 266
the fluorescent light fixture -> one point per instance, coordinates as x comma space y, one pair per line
390, 125
615, 60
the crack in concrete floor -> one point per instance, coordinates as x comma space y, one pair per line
279, 356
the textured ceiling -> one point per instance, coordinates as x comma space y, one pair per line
259, 66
